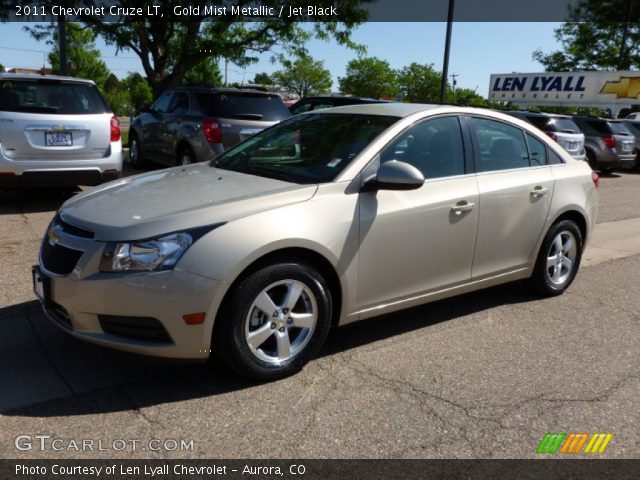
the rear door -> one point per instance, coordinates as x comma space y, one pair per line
516, 187
152, 127
48, 119
243, 114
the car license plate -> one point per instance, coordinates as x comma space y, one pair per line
627, 147
572, 145
40, 284
58, 139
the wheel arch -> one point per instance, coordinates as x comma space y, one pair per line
288, 254
579, 218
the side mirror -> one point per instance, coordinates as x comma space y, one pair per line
395, 175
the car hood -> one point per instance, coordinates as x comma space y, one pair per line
175, 199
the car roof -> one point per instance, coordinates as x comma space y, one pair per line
389, 109
537, 114
212, 89
37, 76
343, 98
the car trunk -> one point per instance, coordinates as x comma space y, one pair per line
625, 141
28, 136
53, 120
571, 142
243, 114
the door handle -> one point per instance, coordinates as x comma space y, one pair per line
462, 207
539, 191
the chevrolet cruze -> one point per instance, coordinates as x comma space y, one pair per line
325, 219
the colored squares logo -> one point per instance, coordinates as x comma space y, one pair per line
573, 443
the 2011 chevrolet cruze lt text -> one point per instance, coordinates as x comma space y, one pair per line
324, 219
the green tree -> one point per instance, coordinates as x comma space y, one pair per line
466, 96
208, 71
595, 39
83, 58
2, 69
262, 79
170, 49
304, 76
369, 77
420, 83
139, 91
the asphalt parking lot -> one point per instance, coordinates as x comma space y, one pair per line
485, 375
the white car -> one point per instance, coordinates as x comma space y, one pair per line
56, 131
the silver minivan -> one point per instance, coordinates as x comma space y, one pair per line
56, 131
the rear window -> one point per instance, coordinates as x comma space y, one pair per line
243, 106
633, 127
555, 124
619, 128
50, 96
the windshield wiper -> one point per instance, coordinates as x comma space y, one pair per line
248, 116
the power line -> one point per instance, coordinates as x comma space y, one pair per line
24, 49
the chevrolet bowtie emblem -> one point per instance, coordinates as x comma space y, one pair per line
57, 128
626, 87
52, 237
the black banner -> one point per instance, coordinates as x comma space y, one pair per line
307, 10
319, 469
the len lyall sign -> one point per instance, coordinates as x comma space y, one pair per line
567, 88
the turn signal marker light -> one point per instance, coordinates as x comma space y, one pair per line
194, 318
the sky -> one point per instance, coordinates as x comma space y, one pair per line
477, 50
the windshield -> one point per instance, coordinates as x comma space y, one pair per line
311, 148
43, 95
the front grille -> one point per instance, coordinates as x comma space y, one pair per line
72, 229
58, 259
59, 315
137, 328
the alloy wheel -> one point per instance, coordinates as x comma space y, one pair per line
281, 321
561, 257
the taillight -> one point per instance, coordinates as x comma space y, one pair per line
596, 179
609, 141
552, 136
212, 130
115, 129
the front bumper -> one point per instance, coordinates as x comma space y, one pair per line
140, 313
53, 173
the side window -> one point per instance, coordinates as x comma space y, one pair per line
162, 104
537, 151
179, 103
502, 146
321, 105
434, 147
554, 158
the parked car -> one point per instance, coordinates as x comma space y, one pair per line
325, 219
195, 123
609, 144
633, 116
634, 128
307, 104
560, 128
56, 131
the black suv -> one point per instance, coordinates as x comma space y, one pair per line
307, 104
609, 143
196, 123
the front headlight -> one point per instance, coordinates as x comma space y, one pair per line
145, 256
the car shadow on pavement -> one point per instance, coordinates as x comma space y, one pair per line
34, 199
45, 372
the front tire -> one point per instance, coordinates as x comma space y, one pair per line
274, 321
559, 259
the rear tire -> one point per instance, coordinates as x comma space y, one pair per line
559, 259
136, 158
185, 156
274, 321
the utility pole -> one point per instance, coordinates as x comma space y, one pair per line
225, 71
447, 47
454, 82
62, 45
